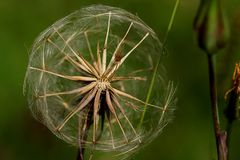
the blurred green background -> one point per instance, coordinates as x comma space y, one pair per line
189, 136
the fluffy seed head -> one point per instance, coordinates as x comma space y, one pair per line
89, 79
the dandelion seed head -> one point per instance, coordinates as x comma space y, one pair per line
88, 78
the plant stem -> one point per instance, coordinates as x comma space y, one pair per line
214, 105
229, 132
149, 93
80, 149
80, 153
83, 132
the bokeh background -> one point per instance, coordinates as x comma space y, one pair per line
189, 136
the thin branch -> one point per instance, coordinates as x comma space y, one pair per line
89, 47
99, 61
112, 69
128, 78
79, 69
114, 90
84, 132
80, 91
124, 114
110, 129
131, 105
214, 105
73, 78
80, 107
63, 102
125, 57
94, 71
95, 111
79, 57
118, 46
168, 99
171, 21
111, 108
104, 59
149, 93
72, 61
43, 62
80, 149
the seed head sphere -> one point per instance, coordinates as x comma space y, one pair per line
95, 78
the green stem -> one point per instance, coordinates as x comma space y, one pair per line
214, 105
158, 62
171, 21
213, 94
149, 93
